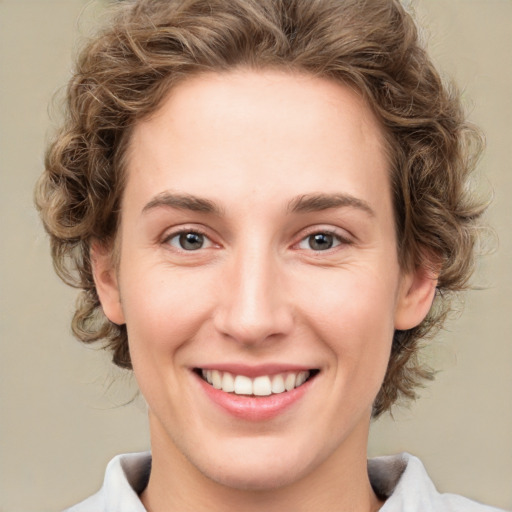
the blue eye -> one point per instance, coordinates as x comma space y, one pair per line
321, 241
189, 241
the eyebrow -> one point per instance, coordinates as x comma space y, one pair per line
303, 204
182, 202
318, 202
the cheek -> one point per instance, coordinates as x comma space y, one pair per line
163, 309
355, 299
354, 316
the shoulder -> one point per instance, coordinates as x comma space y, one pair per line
403, 481
126, 477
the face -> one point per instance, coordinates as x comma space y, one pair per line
258, 275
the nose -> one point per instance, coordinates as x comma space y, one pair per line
254, 305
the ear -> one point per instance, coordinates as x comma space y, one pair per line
416, 295
105, 279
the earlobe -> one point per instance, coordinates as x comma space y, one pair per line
106, 282
415, 299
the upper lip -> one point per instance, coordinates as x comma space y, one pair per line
256, 370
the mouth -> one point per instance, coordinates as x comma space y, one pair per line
260, 386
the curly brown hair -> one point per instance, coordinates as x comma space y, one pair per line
123, 74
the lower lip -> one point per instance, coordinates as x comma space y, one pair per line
254, 408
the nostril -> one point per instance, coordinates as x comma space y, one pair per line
252, 327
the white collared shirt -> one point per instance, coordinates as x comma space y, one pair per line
401, 479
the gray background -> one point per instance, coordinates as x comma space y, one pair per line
61, 404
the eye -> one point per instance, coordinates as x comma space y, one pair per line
321, 241
189, 241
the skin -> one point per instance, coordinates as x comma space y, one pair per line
250, 145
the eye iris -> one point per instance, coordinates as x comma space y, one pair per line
191, 241
321, 241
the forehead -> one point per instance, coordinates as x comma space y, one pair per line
258, 131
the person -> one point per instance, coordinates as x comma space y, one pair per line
265, 205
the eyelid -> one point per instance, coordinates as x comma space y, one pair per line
341, 235
181, 229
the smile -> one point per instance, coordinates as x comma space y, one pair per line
263, 385
256, 393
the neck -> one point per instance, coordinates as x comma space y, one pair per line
338, 483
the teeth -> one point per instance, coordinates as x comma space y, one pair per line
263, 385
278, 384
301, 378
289, 382
216, 379
228, 383
243, 385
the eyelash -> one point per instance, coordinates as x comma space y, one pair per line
177, 234
336, 238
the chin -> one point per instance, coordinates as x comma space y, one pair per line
256, 470
257, 479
